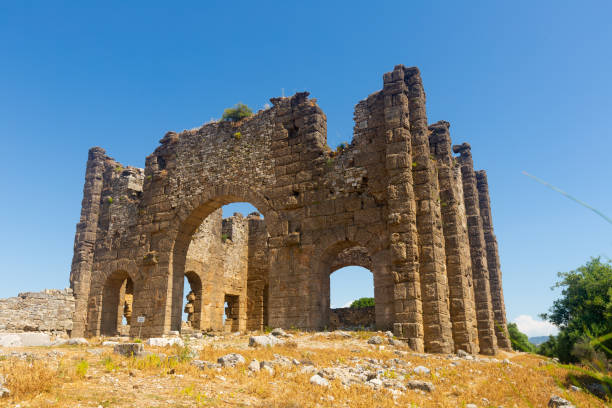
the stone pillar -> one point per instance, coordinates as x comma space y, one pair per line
432, 257
402, 212
85, 238
495, 279
480, 272
457, 248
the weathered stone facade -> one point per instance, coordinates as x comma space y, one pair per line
395, 201
48, 311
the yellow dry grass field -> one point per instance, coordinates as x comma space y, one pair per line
94, 376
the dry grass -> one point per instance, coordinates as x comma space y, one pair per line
115, 381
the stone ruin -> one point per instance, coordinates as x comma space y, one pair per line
396, 201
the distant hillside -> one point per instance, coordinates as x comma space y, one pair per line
538, 340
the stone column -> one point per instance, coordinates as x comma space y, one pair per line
85, 238
432, 257
457, 248
401, 221
495, 279
480, 272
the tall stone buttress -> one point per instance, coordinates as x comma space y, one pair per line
458, 261
482, 293
85, 238
495, 281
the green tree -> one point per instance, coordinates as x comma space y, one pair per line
362, 302
237, 113
519, 340
583, 313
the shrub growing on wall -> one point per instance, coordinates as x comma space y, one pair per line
362, 302
237, 113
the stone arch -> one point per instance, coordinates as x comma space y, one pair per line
194, 317
116, 302
351, 253
190, 217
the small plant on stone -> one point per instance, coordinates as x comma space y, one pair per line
224, 237
137, 340
342, 147
118, 169
237, 135
237, 113
109, 200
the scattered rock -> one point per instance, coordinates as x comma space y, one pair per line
263, 341
202, 364
420, 385
24, 340
308, 369
231, 360
374, 383
254, 366
129, 349
10, 340
462, 353
421, 370
165, 341
318, 380
574, 388
77, 341
375, 340
389, 334
109, 343
278, 332
268, 369
556, 402
471, 406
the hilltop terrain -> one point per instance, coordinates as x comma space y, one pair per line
294, 369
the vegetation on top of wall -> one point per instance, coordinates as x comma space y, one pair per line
237, 113
362, 302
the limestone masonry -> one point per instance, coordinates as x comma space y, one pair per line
396, 201
47, 311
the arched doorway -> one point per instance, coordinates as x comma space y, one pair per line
225, 257
351, 298
117, 301
372, 267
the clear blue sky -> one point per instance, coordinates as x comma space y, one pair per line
527, 83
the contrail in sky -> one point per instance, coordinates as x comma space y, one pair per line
558, 190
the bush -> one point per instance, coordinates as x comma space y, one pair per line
583, 312
362, 302
237, 113
520, 341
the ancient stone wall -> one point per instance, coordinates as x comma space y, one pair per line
394, 201
352, 318
48, 311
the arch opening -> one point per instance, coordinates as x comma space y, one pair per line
117, 301
219, 268
352, 304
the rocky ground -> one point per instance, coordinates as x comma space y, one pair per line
293, 369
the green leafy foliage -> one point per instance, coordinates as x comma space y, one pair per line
520, 341
583, 313
237, 113
362, 302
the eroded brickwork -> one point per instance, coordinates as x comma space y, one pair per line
395, 201
50, 311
